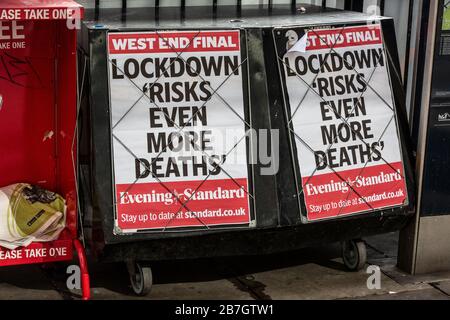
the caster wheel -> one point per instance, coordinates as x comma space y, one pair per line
141, 278
354, 254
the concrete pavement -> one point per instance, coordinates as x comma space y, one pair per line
313, 273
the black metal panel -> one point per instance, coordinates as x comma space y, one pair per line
276, 203
286, 177
400, 104
102, 184
354, 5
265, 186
252, 242
436, 186
440, 86
287, 193
100, 133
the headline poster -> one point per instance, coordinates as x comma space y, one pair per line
177, 117
342, 119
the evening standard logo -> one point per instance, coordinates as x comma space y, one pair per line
444, 117
358, 182
169, 198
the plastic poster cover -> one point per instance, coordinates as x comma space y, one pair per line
177, 117
342, 119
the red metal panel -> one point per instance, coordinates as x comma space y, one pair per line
27, 117
40, 10
66, 120
38, 252
38, 114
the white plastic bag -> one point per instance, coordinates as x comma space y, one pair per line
29, 214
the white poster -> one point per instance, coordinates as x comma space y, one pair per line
177, 113
343, 119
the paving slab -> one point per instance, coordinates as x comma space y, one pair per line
312, 281
26, 282
312, 273
211, 290
214, 290
382, 251
404, 278
424, 294
218, 278
110, 281
443, 286
385, 244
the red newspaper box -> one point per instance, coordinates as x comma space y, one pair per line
38, 113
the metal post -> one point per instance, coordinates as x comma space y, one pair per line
157, 10
97, 9
183, 10
124, 10
214, 7
381, 5
354, 5
408, 42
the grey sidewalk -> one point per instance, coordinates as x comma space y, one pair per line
313, 273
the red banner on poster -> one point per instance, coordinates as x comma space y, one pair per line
152, 205
356, 190
341, 38
173, 41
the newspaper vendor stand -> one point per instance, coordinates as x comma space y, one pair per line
164, 86
38, 115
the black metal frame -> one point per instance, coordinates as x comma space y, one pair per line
279, 225
290, 201
101, 167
